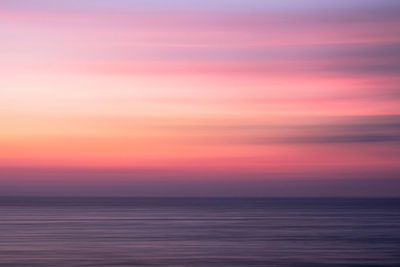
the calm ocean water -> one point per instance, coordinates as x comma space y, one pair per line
199, 232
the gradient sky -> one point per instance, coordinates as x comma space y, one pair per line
193, 98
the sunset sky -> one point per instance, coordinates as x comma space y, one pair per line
200, 98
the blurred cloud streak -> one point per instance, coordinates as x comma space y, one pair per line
239, 86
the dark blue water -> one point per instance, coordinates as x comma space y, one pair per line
199, 232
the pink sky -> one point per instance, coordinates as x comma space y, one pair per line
251, 92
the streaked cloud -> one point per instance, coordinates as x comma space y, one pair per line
238, 86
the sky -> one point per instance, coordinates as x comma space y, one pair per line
200, 98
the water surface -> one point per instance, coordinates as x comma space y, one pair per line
37, 231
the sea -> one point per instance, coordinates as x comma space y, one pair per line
111, 231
